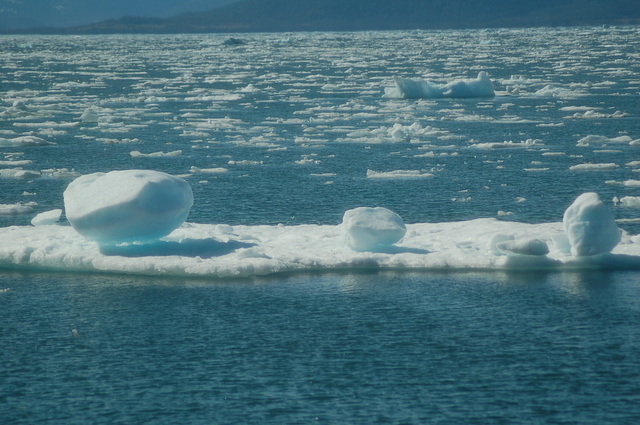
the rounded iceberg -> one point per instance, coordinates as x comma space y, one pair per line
590, 226
127, 206
368, 229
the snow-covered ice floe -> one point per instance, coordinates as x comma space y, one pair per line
122, 204
412, 88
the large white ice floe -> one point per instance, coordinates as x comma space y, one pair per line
413, 88
590, 226
381, 238
127, 206
371, 229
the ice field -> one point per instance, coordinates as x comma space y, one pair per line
497, 131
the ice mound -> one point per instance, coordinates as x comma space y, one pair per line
47, 218
535, 247
590, 226
409, 88
127, 206
369, 229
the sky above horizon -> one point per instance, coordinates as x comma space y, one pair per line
15, 14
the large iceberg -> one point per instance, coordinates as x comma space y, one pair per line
410, 88
127, 206
590, 226
369, 229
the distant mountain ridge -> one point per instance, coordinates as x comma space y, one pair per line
350, 15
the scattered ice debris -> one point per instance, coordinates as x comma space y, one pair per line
127, 206
590, 226
23, 141
408, 88
370, 229
556, 91
398, 174
17, 209
138, 154
47, 218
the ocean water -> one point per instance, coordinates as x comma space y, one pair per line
288, 128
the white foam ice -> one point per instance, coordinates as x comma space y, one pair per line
412, 88
128, 205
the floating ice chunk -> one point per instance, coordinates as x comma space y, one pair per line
24, 141
138, 154
89, 116
593, 167
408, 88
630, 201
590, 226
369, 229
523, 247
19, 173
47, 218
16, 209
127, 206
397, 174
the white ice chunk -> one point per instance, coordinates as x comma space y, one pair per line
630, 201
369, 229
16, 209
409, 88
590, 226
523, 247
24, 141
47, 218
127, 206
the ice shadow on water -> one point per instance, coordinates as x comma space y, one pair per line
203, 248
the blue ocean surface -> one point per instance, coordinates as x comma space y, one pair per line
326, 348
289, 129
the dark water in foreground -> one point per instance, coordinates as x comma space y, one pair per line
334, 348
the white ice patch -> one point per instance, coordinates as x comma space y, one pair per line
593, 167
371, 229
24, 141
409, 88
47, 218
590, 226
398, 174
17, 209
126, 206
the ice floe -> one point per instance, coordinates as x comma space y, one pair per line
411, 88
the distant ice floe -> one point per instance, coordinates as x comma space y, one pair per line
508, 144
24, 141
132, 221
593, 167
398, 174
409, 88
17, 209
604, 140
138, 154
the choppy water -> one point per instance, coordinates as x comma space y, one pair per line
297, 120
